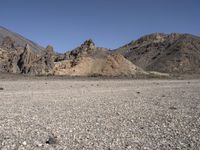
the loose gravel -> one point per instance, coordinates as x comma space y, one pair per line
100, 115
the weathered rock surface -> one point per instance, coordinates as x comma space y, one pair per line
111, 65
27, 61
171, 53
88, 48
88, 60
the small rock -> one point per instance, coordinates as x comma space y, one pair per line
24, 143
39, 145
1, 88
51, 140
138, 92
172, 108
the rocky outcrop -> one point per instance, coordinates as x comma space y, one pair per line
87, 49
111, 65
32, 63
27, 61
49, 57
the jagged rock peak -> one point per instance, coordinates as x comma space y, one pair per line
27, 47
89, 44
49, 48
49, 57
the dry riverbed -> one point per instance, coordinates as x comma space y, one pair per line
99, 114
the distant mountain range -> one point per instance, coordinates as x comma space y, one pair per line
167, 53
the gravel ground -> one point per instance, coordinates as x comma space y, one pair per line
102, 114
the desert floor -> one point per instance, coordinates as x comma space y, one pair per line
99, 114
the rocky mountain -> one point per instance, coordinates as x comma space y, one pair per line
9, 37
110, 65
89, 60
171, 53
85, 60
167, 53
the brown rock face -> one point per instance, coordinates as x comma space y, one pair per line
27, 58
88, 49
31, 63
49, 57
8, 43
27, 61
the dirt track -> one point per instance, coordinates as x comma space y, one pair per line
102, 114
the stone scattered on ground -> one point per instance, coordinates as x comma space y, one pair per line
57, 115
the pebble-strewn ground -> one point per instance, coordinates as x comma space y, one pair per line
102, 114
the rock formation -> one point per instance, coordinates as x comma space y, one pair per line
88, 48
111, 65
27, 61
170, 53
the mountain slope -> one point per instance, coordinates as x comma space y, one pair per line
111, 65
89, 60
19, 41
171, 53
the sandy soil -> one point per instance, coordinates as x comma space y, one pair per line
101, 114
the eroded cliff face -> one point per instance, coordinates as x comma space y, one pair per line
24, 60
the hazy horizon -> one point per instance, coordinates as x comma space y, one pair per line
111, 24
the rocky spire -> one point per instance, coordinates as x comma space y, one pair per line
26, 59
89, 44
87, 48
49, 57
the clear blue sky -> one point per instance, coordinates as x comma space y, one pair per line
65, 24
